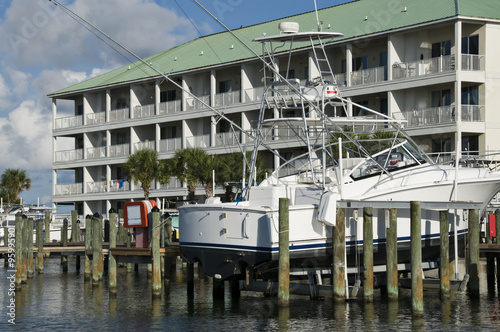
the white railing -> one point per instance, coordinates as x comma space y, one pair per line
119, 114
254, 94
341, 79
170, 107
95, 118
145, 145
170, 144
95, 153
423, 67
229, 138
371, 75
174, 183
472, 62
227, 98
144, 111
68, 122
442, 115
472, 113
69, 189
96, 187
202, 141
119, 185
119, 150
69, 155
195, 104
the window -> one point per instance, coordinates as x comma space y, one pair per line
441, 98
358, 111
225, 86
168, 132
360, 63
121, 103
441, 48
121, 138
168, 95
470, 145
290, 74
470, 45
79, 110
470, 95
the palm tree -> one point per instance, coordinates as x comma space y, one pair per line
14, 181
195, 166
143, 166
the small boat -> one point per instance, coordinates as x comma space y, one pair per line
336, 159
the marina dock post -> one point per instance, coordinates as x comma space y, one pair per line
444, 265
97, 255
47, 228
75, 230
24, 255
284, 253
155, 248
417, 286
64, 242
473, 286
368, 254
338, 243
6, 244
29, 239
19, 249
392, 255
39, 244
112, 245
88, 241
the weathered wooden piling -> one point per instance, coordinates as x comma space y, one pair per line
284, 253
155, 248
75, 230
19, 249
111, 257
473, 286
417, 289
39, 244
47, 230
190, 279
64, 242
6, 244
218, 291
392, 255
97, 255
368, 254
444, 254
29, 239
88, 242
24, 255
338, 248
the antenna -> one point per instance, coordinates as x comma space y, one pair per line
317, 17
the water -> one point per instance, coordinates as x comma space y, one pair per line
63, 301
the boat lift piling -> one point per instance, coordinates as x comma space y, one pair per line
368, 254
392, 255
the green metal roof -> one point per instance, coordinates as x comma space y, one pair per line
354, 19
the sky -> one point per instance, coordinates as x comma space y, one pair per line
42, 50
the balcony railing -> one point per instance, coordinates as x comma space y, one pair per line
228, 138
472, 113
371, 75
227, 98
472, 62
95, 118
144, 111
170, 107
145, 145
69, 189
95, 153
96, 187
254, 94
68, 122
443, 115
195, 104
170, 144
119, 185
121, 114
202, 141
69, 155
174, 183
423, 67
119, 150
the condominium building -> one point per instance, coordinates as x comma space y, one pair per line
433, 63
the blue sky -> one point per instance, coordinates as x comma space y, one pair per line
42, 50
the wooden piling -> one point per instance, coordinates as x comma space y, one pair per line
112, 245
6, 244
490, 259
39, 244
392, 255
284, 253
190, 279
97, 255
29, 239
368, 254
473, 253
155, 248
417, 290
444, 254
218, 291
338, 248
19, 249
75, 230
64, 242
47, 230
88, 241
24, 255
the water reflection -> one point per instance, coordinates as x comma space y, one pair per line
63, 301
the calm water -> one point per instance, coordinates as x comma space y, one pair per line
63, 301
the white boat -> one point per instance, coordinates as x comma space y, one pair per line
228, 239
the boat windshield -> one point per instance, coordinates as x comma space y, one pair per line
400, 155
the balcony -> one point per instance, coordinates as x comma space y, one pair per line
254, 94
174, 183
144, 111
442, 115
119, 150
96, 187
121, 114
68, 155
198, 103
119, 185
95, 118
202, 141
227, 98
170, 144
69, 189
472, 62
423, 67
170, 107
367, 76
95, 153
68, 122
145, 145
228, 138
